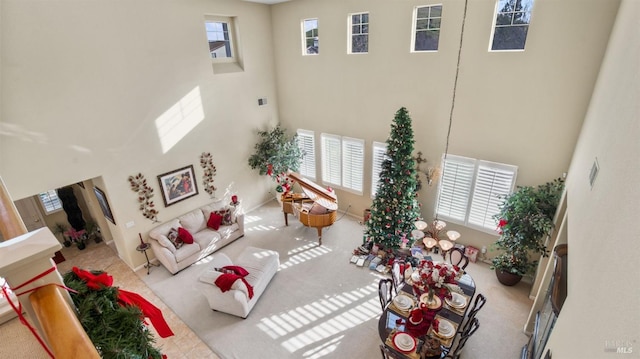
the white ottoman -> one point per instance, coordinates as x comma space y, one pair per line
262, 265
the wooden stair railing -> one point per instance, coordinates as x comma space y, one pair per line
66, 337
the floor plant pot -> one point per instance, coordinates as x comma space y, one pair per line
81, 245
507, 278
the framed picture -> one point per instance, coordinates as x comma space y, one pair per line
178, 185
104, 204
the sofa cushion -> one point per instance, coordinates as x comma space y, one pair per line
185, 236
175, 238
214, 221
160, 233
225, 214
193, 221
186, 251
213, 206
210, 275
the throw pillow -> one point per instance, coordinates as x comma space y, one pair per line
226, 216
185, 236
214, 221
174, 238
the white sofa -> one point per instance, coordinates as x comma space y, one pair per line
262, 265
205, 239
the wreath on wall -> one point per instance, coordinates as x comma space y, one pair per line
145, 194
206, 161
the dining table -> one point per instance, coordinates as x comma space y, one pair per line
395, 320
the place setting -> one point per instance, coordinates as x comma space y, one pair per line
403, 303
457, 303
403, 343
446, 331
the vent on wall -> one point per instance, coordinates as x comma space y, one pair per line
262, 101
595, 168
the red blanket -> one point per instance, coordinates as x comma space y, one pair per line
225, 280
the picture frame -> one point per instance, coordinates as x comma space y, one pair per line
104, 204
178, 185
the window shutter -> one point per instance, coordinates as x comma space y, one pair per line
352, 163
379, 153
331, 159
455, 187
50, 201
492, 181
306, 142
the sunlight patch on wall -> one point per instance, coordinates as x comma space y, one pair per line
180, 119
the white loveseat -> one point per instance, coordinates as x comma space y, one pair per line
262, 265
205, 239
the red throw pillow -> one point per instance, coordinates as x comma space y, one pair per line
214, 221
185, 236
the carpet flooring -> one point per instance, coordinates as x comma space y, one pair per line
318, 304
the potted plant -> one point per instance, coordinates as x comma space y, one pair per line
275, 154
78, 237
61, 228
524, 219
93, 231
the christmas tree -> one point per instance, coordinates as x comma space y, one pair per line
395, 207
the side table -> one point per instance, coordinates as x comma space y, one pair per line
143, 248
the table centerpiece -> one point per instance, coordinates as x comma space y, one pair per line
433, 282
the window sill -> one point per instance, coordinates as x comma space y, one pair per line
227, 67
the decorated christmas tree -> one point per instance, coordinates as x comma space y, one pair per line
395, 207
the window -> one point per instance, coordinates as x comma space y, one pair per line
352, 163
310, 45
426, 28
470, 190
379, 155
307, 144
358, 33
511, 24
219, 37
342, 162
50, 201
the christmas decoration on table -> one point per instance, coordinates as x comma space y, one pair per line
145, 194
114, 318
433, 282
395, 207
284, 183
206, 162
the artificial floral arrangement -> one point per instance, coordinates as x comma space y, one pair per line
145, 194
206, 162
436, 279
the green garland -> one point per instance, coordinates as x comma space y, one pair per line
116, 331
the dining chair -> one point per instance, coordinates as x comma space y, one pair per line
466, 334
397, 274
458, 258
479, 302
385, 287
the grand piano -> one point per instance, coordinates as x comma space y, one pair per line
315, 207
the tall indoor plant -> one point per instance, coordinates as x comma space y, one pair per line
525, 218
275, 154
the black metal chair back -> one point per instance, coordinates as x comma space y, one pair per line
464, 336
479, 302
385, 288
458, 258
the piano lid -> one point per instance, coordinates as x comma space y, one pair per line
316, 193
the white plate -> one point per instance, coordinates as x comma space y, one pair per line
404, 342
445, 329
457, 300
402, 301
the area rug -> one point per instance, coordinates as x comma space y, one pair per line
317, 305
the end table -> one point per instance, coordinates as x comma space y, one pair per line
143, 248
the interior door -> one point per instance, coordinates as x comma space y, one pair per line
30, 213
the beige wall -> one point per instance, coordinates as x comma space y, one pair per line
603, 296
83, 83
520, 108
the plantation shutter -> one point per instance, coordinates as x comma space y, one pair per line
352, 163
331, 159
379, 153
306, 142
50, 201
455, 187
493, 181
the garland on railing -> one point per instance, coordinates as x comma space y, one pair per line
206, 161
145, 194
